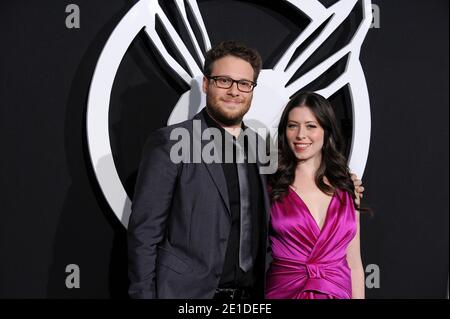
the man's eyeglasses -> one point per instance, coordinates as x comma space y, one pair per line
225, 82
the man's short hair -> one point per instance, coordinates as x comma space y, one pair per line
236, 49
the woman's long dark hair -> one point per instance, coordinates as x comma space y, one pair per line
333, 166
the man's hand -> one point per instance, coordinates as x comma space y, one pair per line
359, 189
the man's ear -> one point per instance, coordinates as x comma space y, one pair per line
205, 84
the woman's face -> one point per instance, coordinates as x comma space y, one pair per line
304, 134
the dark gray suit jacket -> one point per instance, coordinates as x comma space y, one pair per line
180, 223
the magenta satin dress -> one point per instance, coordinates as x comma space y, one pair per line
309, 263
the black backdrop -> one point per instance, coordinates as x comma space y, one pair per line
53, 213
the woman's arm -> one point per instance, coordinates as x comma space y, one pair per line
355, 264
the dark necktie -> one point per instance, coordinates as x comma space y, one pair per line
245, 243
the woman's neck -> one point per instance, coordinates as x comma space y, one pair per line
308, 168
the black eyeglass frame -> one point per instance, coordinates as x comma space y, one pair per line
216, 77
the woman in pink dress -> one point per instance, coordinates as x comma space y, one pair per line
314, 231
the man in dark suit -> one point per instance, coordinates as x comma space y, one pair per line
199, 229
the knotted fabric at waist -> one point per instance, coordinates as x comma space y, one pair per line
327, 277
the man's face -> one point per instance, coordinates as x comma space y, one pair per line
228, 106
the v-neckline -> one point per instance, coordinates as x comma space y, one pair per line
309, 211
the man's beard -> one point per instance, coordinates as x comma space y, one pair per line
223, 117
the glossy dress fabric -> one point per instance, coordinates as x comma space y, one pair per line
309, 263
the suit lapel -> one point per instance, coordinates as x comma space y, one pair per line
216, 172
265, 195
214, 169
254, 151
263, 180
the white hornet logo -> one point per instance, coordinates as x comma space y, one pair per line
270, 96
